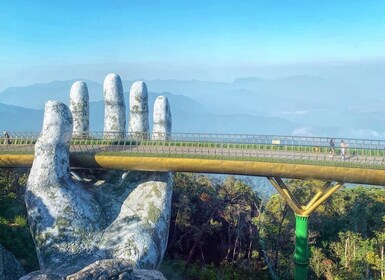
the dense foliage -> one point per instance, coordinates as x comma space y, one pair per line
226, 224
213, 223
14, 231
346, 233
224, 230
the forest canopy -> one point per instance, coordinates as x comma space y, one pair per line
223, 229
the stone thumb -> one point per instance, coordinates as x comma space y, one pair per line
52, 147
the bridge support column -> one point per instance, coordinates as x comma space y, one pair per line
301, 252
302, 213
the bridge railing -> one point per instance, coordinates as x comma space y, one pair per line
240, 146
16, 137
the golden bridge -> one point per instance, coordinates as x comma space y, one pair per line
271, 156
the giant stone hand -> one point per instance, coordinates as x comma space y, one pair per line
75, 224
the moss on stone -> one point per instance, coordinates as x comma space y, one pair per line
63, 222
135, 109
153, 213
156, 191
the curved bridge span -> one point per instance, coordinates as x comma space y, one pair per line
260, 155
351, 161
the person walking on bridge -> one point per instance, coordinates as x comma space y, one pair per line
344, 147
332, 146
6, 136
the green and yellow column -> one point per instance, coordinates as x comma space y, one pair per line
301, 252
302, 213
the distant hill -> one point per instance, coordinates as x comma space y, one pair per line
188, 116
15, 118
34, 96
269, 97
251, 95
300, 105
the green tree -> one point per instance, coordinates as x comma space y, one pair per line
14, 230
212, 222
376, 257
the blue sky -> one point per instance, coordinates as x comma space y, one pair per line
41, 36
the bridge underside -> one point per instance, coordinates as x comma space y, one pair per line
274, 171
216, 166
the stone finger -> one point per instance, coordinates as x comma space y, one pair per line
114, 107
140, 231
80, 109
138, 124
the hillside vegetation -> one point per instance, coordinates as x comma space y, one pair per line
222, 229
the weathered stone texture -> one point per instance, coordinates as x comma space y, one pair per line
74, 225
139, 230
63, 216
10, 268
101, 270
79, 106
139, 110
115, 269
45, 275
162, 119
114, 107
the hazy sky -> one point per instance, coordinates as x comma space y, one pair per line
44, 40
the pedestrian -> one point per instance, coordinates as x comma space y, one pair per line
6, 136
344, 147
332, 147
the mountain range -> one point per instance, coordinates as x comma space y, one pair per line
295, 105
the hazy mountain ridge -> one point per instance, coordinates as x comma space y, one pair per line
34, 96
16, 118
303, 90
254, 96
300, 105
188, 116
